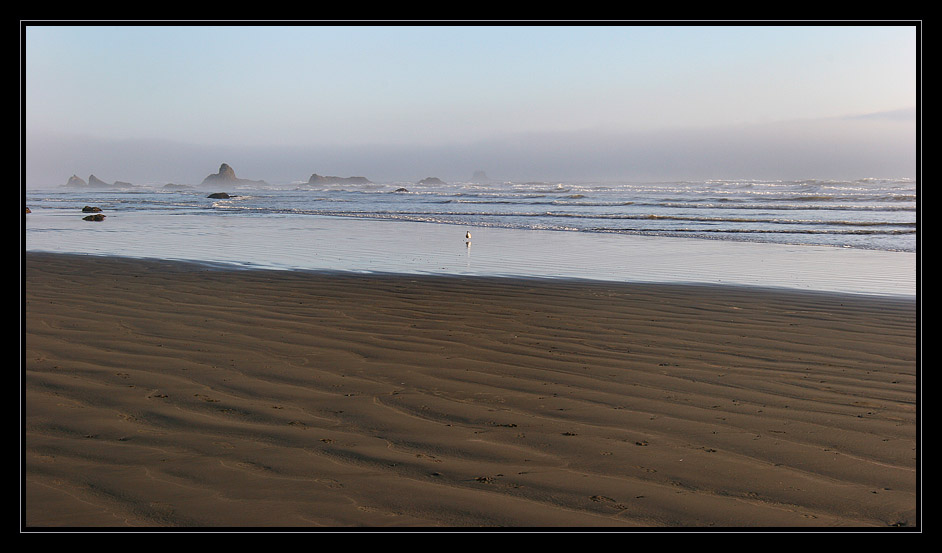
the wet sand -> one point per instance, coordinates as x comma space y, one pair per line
162, 394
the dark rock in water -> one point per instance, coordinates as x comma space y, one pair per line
226, 175
172, 186
95, 217
402, 190
219, 196
431, 180
318, 179
90, 209
74, 180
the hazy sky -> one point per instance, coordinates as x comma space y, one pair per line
170, 103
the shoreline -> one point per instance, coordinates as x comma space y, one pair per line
170, 394
190, 265
401, 247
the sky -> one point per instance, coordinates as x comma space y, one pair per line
169, 103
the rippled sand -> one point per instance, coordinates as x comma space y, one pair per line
167, 394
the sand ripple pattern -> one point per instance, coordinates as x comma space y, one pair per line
162, 394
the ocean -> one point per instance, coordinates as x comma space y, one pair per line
707, 231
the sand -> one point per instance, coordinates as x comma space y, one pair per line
159, 394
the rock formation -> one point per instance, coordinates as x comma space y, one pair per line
225, 173
90, 209
226, 176
95, 217
431, 180
219, 196
479, 176
318, 179
95, 181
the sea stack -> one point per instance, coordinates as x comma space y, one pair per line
75, 180
96, 182
227, 176
319, 179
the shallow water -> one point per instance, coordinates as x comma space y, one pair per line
289, 241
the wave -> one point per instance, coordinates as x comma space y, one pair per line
566, 215
808, 212
859, 232
705, 203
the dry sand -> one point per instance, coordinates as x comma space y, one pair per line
166, 394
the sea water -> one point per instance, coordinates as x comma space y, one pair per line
851, 236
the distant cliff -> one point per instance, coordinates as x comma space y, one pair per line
227, 176
318, 179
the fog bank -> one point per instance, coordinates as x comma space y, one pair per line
877, 145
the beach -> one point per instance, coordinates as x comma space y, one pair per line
171, 394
